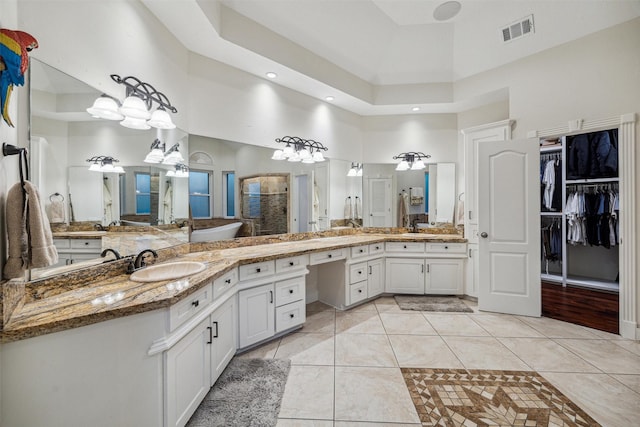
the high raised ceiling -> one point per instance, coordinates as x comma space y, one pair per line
379, 56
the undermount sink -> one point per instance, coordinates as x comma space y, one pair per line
167, 271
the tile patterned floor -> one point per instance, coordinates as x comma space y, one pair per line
346, 366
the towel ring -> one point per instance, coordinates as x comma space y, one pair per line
56, 195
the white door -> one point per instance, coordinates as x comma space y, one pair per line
509, 226
379, 202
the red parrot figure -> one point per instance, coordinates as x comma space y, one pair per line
14, 61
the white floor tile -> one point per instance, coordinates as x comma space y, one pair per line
484, 353
364, 350
417, 351
309, 393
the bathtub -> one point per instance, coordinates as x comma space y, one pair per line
216, 233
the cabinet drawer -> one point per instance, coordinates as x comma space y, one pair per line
455, 248
359, 251
86, 244
376, 248
327, 256
291, 263
224, 283
182, 311
357, 272
357, 292
256, 270
61, 243
405, 247
288, 291
290, 315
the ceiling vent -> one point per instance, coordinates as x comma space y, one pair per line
520, 28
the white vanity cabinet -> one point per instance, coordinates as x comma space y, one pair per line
419, 268
404, 275
224, 337
360, 277
187, 374
257, 314
77, 250
271, 300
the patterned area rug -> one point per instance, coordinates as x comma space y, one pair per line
248, 393
431, 303
459, 397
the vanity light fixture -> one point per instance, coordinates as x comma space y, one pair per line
104, 164
158, 155
134, 111
411, 160
299, 150
181, 171
356, 169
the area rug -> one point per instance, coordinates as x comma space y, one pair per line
431, 303
248, 393
459, 397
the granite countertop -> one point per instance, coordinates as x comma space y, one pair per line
30, 312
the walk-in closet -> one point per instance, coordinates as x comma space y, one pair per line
580, 213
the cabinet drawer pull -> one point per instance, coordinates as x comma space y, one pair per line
257, 270
86, 243
210, 334
359, 271
446, 247
228, 281
290, 291
329, 256
216, 335
359, 291
405, 246
292, 315
195, 303
361, 250
291, 263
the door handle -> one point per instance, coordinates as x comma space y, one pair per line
484, 235
216, 334
210, 334
271, 297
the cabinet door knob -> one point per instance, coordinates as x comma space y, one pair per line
292, 315
290, 291
359, 290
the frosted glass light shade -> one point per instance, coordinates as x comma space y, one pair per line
352, 172
134, 107
418, 165
318, 157
402, 166
105, 108
160, 119
278, 155
173, 158
95, 167
133, 123
155, 156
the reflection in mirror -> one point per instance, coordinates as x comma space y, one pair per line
430, 195
64, 136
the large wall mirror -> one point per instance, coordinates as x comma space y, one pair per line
64, 136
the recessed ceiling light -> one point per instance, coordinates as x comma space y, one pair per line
272, 75
446, 10
415, 109
329, 98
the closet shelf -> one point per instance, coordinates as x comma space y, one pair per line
593, 180
553, 278
551, 213
585, 282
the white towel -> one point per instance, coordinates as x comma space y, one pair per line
56, 212
358, 208
416, 192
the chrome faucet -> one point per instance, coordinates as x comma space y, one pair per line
139, 262
113, 251
98, 227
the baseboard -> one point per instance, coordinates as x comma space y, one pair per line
629, 330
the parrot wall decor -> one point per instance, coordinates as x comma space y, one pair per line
14, 61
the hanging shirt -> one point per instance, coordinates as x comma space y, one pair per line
549, 180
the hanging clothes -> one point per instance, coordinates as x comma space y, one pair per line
592, 155
592, 217
549, 180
